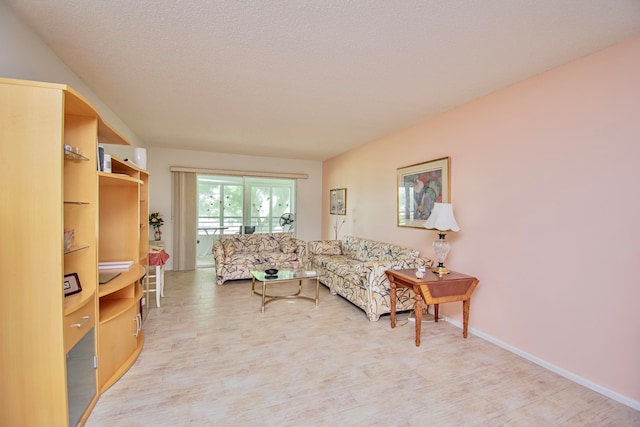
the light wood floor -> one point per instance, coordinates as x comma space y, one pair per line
211, 358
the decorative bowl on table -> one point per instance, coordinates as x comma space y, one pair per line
271, 273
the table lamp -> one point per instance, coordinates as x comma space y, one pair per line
441, 219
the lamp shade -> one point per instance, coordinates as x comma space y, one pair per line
442, 218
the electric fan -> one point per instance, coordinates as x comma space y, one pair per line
287, 220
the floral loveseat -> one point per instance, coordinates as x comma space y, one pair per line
236, 254
354, 269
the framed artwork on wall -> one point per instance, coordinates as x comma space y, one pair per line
338, 201
419, 187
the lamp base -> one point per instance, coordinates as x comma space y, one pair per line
441, 248
440, 270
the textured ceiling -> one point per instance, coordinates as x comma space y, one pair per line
309, 79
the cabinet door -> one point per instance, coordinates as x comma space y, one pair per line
118, 341
81, 376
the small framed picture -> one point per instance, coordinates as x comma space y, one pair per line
71, 284
338, 198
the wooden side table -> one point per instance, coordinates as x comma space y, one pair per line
433, 289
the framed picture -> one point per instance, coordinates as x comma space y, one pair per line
419, 187
338, 198
71, 284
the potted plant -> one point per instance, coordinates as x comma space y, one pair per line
156, 221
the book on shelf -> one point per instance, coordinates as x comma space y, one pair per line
100, 158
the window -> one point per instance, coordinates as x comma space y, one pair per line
270, 200
233, 204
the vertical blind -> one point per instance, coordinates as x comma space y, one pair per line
185, 213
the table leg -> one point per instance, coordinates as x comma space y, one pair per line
465, 316
162, 281
317, 290
392, 295
264, 292
436, 308
253, 284
158, 285
418, 310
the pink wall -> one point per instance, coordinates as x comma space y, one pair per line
544, 181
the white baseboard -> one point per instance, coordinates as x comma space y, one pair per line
569, 375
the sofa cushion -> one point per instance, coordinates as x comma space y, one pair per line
351, 247
277, 257
330, 261
244, 260
268, 243
251, 243
370, 250
325, 247
288, 246
397, 252
247, 243
342, 266
374, 251
229, 247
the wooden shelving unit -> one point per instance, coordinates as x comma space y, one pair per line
143, 249
49, 137
121, 334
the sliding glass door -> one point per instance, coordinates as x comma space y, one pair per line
236, 204
220, 205
270, 202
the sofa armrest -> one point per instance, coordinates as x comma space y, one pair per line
423, 262
301, 249
218, 252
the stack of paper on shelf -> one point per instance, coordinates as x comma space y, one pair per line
115, 265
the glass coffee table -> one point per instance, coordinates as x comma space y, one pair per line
284, 275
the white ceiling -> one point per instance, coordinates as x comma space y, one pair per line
309, 79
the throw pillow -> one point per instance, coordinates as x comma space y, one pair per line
331, 247
288, 246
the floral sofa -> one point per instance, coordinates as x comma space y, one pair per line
354, 268
236, 255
